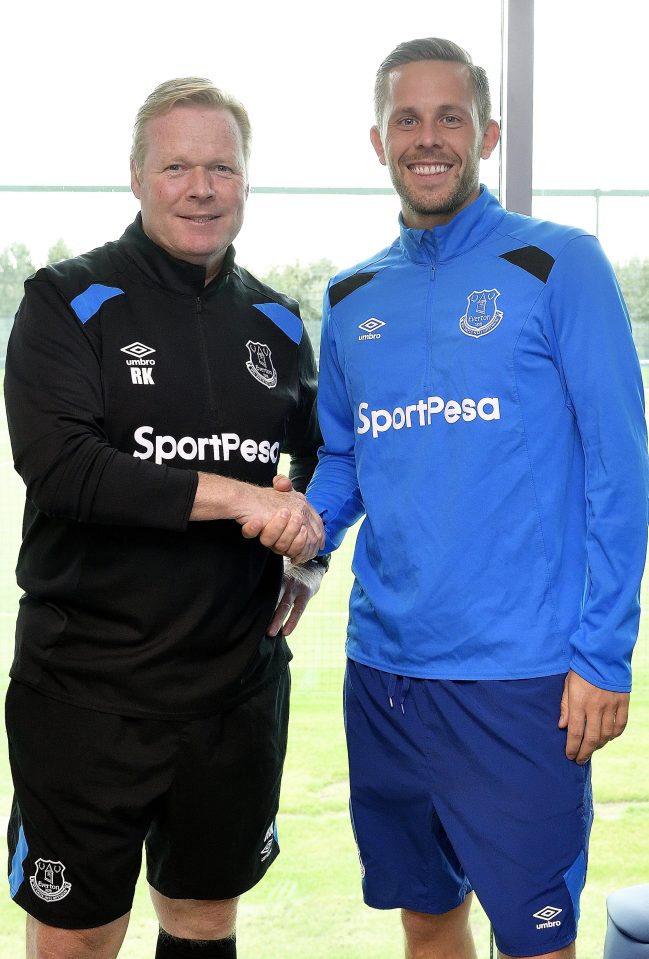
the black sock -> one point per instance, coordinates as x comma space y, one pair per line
169, 947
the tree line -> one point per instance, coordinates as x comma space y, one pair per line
306, 283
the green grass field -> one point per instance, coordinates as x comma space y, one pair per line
309, 906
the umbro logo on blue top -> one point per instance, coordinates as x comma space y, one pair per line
370, 327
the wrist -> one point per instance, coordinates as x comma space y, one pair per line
318, 563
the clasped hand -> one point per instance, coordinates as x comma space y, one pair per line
284, 522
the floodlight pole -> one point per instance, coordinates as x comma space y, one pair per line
517, 105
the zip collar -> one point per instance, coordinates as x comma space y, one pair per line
467, 228
167, 271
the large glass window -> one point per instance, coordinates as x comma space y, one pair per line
590, 136
305, 75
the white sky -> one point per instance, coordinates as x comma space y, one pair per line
74, 74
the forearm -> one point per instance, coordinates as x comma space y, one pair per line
218, 497
335, 495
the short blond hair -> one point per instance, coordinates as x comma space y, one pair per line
432, 48
186, 90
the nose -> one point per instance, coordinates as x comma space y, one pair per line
429, 134
200, 184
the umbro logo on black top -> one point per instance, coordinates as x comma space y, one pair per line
141, 367
138, 350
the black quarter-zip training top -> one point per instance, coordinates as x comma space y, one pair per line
125, 376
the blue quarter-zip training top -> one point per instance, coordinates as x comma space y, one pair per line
481, 404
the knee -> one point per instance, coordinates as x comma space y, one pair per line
196, 918
50, 942
448, 934
422, 926
425, 925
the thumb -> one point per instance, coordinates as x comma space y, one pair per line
282, 483
251, 529
564, 711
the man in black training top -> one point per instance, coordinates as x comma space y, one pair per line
152, 384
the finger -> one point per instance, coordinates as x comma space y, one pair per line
621, 719
282, 483
576, 726
302, 549
252, 528
281, 612
298, 550
564, 712
586, 750
292, 539
614, 720
608, 726
315, 523
276, 527
310, 550
276, 621
296, 614
591, 740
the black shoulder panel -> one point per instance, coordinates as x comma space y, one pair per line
343, 288
531, 258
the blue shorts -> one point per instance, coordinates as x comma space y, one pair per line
460, 785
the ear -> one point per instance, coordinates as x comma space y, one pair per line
490, 138
135, 181
375, 137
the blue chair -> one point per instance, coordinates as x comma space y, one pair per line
627, 932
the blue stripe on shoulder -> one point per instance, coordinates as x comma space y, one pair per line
17, 875
287, 321
88, 303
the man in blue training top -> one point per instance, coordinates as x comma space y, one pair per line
481, 404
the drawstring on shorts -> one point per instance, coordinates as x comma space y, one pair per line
402, 684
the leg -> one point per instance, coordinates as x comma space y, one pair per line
407, 860
516, 810
195, 927
83, 785
213, 835
195, 918
49, 942
567, 953
447, 936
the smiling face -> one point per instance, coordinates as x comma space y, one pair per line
193, 183
431, 141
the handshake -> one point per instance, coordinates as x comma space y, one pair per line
283, 521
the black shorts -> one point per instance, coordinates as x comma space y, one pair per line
91, 788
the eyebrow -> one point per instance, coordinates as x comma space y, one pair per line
444, 108
186, 160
